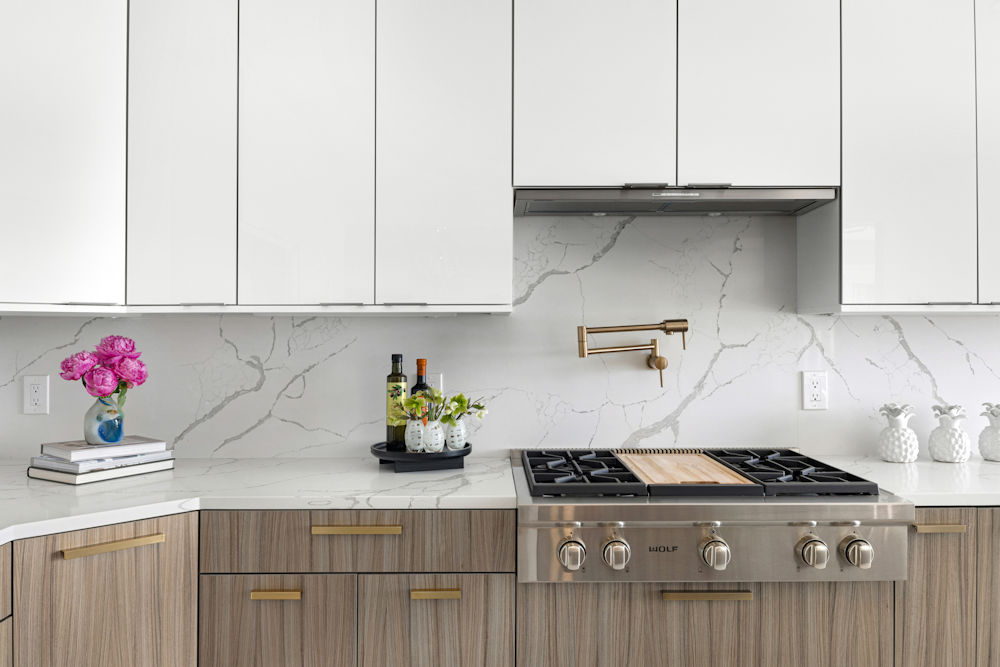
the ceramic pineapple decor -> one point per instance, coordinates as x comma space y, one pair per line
989, 439
897, 443
949, 443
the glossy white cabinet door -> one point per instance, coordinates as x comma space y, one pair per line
444, 200
988, 94
595, 92
306, 151
909, 135
62, 151
758, 92
182, 152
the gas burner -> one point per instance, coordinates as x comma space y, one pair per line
785, 472
569, 472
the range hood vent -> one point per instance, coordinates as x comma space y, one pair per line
664, 201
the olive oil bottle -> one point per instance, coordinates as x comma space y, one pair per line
395, 392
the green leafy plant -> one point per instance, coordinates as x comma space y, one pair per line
426, 406
458, 406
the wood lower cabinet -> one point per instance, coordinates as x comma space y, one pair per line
5, 583
436, 620
935, 608
117, 595
306, 620
6, 642
600, 625
703, 624
988, 587
827, 623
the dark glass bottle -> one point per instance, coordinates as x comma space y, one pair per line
421, 384
395, 392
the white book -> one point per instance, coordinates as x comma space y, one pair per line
79, 450
90, 465
99, 475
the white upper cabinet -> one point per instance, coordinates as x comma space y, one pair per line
182, 152
909, 152
595, 94
62, 151
988, 95
444, 200
758, 92
306, 151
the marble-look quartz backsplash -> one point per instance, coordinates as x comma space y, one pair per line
253, 386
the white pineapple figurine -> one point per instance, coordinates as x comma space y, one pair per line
948, 442
989, 439
897, 443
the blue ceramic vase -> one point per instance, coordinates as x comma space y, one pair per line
104, 422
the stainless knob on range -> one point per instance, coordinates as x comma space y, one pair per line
571, 555
813, 552
617, 553
716, 553
858, 551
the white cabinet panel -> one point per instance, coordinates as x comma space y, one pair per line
62, 151
988, 94
306, 151
909, 152
444, 200
758, 92
182, 152
595, 92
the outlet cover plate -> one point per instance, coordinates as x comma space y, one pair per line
815, 390
36, 394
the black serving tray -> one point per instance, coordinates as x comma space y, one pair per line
404, 461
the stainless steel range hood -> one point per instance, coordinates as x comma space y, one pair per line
661, 200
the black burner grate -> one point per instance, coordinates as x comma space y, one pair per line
579, 472
785, 472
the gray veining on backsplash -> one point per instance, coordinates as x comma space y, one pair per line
239, 386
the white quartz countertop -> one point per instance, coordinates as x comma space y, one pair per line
31, 507
929, 483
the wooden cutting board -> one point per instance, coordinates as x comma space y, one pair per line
681, 469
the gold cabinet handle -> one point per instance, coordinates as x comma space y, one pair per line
118, 545
357, 530
436, 594
691, 596
940, 527
276, 595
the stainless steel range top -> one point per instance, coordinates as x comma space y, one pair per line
660, 538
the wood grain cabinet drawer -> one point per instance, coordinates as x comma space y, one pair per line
358, 541
436, 620
5, 583
291, 620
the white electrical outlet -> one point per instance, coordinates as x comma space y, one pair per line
815, 391
36, 394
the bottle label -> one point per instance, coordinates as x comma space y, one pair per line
395, 392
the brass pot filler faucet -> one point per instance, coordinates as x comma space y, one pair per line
654, 360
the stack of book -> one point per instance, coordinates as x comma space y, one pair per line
76, 462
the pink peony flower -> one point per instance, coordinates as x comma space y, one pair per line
100, 381
113, 349
132, 371
75, 366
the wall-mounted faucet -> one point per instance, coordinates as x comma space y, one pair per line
654, 360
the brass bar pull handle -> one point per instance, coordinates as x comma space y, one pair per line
117, 545
940, 527
692, 596
276, 595
357, 530
436, 594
